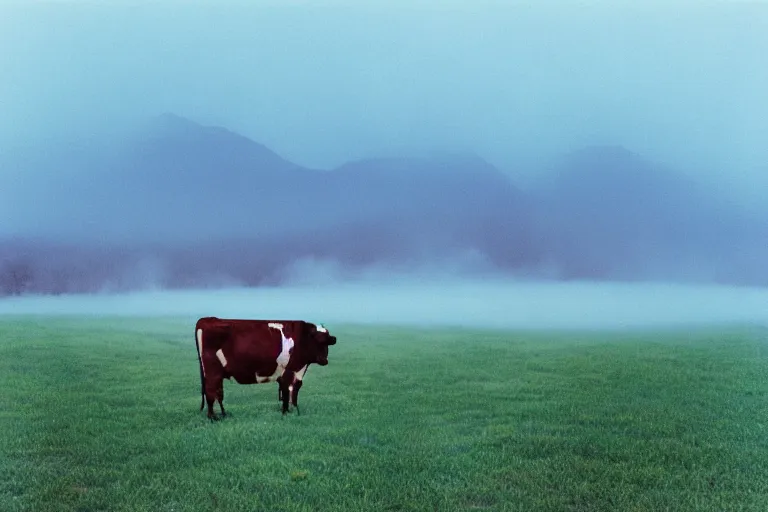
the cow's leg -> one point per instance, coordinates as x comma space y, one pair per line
211, 415
298, 380
295, 394
220, 397
214, 382
285, 392
279, 389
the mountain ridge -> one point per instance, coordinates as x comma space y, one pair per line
182, 193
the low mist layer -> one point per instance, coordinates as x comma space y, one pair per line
432, 302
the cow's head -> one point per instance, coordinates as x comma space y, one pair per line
319, 341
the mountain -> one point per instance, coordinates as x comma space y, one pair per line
439, 204
199, 201
178, 204
172, 144
608, 213
177, 181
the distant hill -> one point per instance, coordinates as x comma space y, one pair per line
177, 181
436, 204
186, 193
608, 213
179, 204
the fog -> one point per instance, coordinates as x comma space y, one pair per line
326, 82
496, 304
284, 147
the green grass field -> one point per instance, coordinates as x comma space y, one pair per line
102, 414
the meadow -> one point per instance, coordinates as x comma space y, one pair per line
103, 414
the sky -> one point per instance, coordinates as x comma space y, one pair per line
323, 82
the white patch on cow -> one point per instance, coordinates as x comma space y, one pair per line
222, 359
299, 375
282, 358
200, 348
321, 328
285, 352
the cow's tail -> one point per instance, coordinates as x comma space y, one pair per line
198, 344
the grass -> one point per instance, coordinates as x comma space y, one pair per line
102, 414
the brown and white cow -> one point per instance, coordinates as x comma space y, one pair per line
257, 351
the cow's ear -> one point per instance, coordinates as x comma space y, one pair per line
331, 340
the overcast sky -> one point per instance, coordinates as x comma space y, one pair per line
323, 82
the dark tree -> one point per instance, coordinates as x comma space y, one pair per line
15, 277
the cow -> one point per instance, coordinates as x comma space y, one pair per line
255, 352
